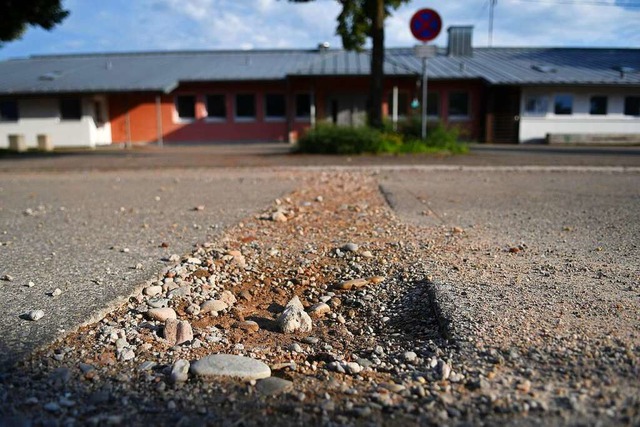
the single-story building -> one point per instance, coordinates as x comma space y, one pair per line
502, 95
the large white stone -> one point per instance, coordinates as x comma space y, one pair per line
180, 371
294, 318
228, 365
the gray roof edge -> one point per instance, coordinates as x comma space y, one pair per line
166, 53
85, 91
298, 51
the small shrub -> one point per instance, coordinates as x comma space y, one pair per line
330, 139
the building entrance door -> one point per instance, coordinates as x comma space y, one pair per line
347, 109
503, 120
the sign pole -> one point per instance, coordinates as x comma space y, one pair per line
423, 123
425, 26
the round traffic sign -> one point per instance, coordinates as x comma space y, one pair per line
426, 24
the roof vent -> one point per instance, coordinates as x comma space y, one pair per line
624, 70
50, 76
324, 46
460, 41
544, 68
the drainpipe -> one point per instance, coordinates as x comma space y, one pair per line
127, 120
159, 121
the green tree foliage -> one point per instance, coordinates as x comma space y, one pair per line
359, 20
17, 15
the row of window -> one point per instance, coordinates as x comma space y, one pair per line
275, 107
244, 106
69, 109
563, 104
457, 104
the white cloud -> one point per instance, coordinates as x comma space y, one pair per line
234, 24
525, 23
261, 24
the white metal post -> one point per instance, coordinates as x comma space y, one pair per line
424, 98
395, 108
312, 108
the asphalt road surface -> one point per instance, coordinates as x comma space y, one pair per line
278, 155
95, 231
536, 249
97, 236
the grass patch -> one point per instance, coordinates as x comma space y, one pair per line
330, 139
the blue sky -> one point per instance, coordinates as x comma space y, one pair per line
134, 25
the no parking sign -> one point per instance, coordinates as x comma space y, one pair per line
426, 24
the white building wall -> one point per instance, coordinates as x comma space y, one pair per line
41, 116
536, 126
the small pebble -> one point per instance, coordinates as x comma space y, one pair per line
278, 217
34, 315
410, 356
248, 325
295, 347
152, 291
180, 371
161, 314
52, 407
350, 247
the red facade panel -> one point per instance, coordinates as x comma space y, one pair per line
141, 117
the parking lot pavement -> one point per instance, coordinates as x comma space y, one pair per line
96, 236
533, 254
272, 155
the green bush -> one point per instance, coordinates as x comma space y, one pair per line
330, 139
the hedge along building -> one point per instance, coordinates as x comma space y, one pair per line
492, 94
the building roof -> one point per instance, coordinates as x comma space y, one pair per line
163, 71
542, 66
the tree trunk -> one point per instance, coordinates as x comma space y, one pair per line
377, 64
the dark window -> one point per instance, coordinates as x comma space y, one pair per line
598, 105
536, 105
245, 106
632, 106
70, 109
9, 110
403, 104
186, 106
275, 105
563, 104
303, 105
216, 106
433, 104
98, 113
458, 104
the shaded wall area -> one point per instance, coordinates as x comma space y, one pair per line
147, 117
150, 117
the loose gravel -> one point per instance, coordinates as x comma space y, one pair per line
388, 344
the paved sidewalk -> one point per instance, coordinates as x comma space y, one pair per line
85, 233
